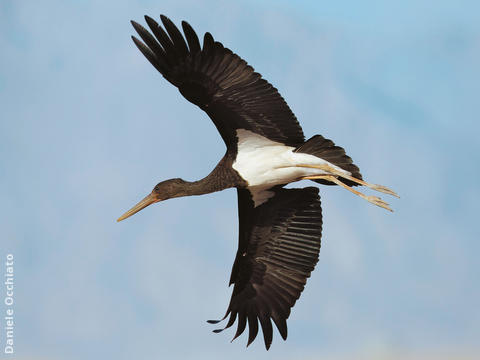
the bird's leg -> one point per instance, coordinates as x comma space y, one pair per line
372, 199
332, 170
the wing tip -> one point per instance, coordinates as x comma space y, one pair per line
150, 21
166, 20
134, 23
135, 40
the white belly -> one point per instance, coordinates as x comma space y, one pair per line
264, 163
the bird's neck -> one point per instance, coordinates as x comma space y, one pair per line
222, 177
205, 186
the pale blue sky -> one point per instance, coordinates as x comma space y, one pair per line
88, 127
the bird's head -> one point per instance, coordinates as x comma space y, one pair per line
162, 191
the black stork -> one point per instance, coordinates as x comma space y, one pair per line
280, 229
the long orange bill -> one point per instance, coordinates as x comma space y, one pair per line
148, 200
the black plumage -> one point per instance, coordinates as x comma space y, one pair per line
279, 229
327, 150
219, 82
278, 248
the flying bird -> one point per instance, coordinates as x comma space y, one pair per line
279, 228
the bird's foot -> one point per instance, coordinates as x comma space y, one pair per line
334, 178
383, 189
331, 170
377, 201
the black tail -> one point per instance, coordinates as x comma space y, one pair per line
326, 149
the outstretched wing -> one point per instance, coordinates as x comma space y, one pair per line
219, 82
279, 245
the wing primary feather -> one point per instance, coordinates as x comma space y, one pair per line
231, 320
281, 324
252, 326
217, 321
148, 39
207, 42
266, 329
242, 323
208, 47
148, 54
163, 38
152, 24
176, 36
192, 38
